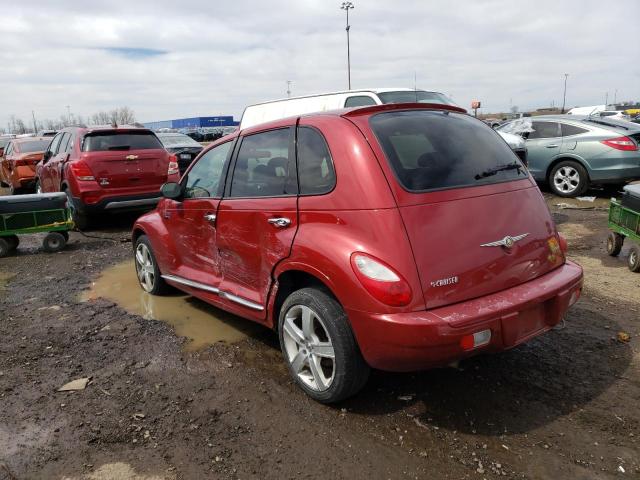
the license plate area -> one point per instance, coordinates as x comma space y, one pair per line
520, 326
185, 156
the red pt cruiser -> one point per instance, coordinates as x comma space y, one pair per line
398, 237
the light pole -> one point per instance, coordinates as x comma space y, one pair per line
564, 97
346, 6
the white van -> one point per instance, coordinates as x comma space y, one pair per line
289, 107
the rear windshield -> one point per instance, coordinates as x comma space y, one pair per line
110, 140
431, 150
34, 146
415, 96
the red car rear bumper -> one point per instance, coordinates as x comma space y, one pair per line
419, 340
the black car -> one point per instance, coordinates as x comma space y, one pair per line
182, 146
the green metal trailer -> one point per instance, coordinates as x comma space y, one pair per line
624, 223
28, 214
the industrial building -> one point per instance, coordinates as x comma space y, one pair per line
195, 122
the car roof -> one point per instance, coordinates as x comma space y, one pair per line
594, 121
29, 139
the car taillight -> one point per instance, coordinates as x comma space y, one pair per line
81, 171
475, 340
621, 143
173, 165
380, 280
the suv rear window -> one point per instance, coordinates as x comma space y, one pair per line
432, 150
110, 140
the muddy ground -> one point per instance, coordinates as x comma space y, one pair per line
159, 406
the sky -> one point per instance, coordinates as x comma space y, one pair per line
175, 59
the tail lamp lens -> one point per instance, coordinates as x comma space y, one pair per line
380, 280
82, 171
621, 143
563, 244
173, 166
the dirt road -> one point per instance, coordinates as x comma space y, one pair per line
160, 406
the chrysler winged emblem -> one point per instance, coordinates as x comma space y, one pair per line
131, 157
506, 242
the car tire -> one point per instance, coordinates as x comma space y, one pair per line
312, 328
614, 243
53, 242
634, 259
147, 270
5, 247
568, 179
80, 220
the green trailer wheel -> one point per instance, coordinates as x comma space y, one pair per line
54, 242
634, 259
13, 240
5, 247
614, 243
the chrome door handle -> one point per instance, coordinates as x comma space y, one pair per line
210, 217
280, 222
553, 145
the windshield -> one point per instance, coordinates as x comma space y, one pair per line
177, 139
415, 96
126, 140
33, 146
432, 150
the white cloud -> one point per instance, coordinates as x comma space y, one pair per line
222, 56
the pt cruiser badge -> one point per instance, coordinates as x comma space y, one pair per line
506, 242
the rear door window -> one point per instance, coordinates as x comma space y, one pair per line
315, 167
544, 130
432, 150
112, 141
53, 146
265, 166
64, 141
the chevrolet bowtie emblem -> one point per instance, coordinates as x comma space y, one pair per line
131, 157
506, 242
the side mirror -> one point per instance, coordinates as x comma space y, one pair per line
171, 190
47, 155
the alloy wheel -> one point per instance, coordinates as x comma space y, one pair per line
309, 349
145, 267
566, 179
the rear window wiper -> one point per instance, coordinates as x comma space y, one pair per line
120, 147
499, 168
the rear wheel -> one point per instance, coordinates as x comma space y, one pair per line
614, 243
319, 347
80, 220
568, 179
147, 269
13, 241
634, 259
54, 242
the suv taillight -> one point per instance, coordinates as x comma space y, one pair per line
380, 280
621, 143
81, 171
173, 165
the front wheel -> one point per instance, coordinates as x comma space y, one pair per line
147, 269
568, 179
319, 347
634, 259
614, 243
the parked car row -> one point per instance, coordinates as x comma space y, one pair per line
573, 152
335, 229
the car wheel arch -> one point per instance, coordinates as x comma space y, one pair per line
292, 278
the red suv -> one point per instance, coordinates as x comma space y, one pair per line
398, 237
106, 169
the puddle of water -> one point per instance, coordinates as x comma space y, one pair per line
201, 323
